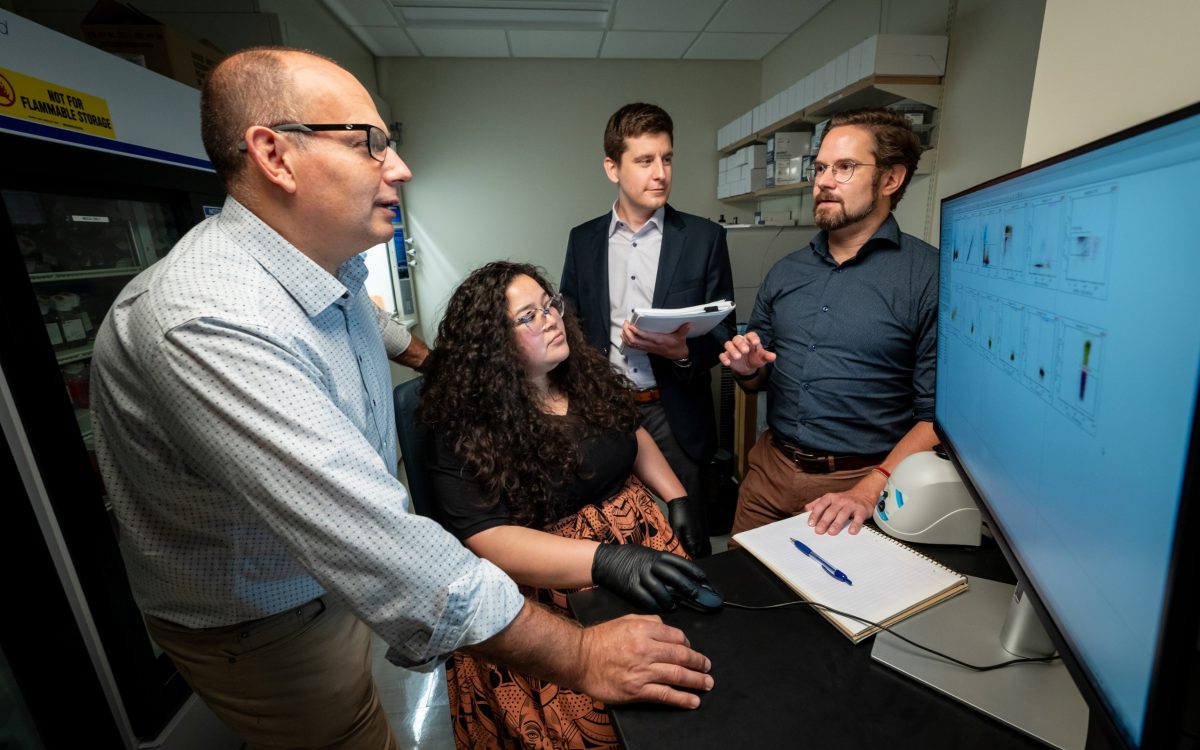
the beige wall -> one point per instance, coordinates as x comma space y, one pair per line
985, 99
1105, 65
507, 154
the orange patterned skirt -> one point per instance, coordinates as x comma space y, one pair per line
494, 707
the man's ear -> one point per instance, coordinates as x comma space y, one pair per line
612, 169
271, 155
893, 179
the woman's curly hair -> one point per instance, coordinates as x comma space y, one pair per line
478, 398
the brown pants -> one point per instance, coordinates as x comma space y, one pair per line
774, 488
297, 679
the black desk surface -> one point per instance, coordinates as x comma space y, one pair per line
787, 678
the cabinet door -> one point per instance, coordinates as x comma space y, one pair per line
79, 252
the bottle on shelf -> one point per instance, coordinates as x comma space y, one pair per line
76, 377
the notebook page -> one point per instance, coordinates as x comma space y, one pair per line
888, 577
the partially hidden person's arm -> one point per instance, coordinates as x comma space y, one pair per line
401, 346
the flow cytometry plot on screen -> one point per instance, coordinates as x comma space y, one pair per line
1014, 240
989, 325
1009, 350
1089, 238
964, 313
1079, 388
991, 236
1047, 234
968, 241
1038, 364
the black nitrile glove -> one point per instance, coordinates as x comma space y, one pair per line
687, 519
644, 576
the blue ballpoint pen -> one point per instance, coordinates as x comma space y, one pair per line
837, 574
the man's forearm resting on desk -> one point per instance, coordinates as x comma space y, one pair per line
634, 658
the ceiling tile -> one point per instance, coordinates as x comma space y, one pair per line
647, 45
460, 42
551, 43
711, 46
362, 12
663, 15
386, 41
765, 15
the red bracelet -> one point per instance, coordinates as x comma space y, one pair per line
887, 474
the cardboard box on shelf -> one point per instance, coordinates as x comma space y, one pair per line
127, 32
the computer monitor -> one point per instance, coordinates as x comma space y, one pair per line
1067, 376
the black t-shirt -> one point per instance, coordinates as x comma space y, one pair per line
607, 458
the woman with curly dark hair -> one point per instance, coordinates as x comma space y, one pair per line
538, 465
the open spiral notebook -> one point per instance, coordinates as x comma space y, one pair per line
891, 580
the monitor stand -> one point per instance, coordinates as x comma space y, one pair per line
1040, 700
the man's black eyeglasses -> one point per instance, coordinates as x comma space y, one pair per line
378, 142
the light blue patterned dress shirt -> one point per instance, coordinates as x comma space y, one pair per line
244, 428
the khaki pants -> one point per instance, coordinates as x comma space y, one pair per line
297, 679
774, 488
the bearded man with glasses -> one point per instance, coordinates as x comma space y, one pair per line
843, 337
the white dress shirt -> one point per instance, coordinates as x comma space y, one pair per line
632, 271
244, 429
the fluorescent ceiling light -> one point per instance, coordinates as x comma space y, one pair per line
525, 18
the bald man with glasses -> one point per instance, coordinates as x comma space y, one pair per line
244, 428
843, 337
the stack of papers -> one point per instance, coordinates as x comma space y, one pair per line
663, 320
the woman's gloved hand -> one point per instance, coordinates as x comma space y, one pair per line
644, 576
687, 519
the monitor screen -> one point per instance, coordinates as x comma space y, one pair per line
1068, 363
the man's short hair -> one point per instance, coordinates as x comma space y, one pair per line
634, 120
895, 141
251, 87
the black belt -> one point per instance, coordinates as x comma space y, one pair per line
817, 462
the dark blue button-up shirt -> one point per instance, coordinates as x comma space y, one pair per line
856, 343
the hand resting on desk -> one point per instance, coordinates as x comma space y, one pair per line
639, 658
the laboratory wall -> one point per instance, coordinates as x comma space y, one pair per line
507, 155
1105, 65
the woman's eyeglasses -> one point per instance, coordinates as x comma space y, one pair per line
555, 303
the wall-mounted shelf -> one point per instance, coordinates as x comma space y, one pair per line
795, 188
925, 166
95, 273
872, 91
77, 354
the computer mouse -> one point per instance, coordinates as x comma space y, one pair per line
926, 502
706, 598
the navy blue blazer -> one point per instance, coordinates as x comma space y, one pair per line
693, 268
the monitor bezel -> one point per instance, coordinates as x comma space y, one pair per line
1171, 678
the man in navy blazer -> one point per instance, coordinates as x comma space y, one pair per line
643, 253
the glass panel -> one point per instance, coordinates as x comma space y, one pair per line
79, 253
16, 725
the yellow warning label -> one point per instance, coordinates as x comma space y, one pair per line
33, 99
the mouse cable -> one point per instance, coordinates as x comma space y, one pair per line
947, 657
